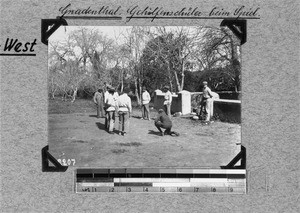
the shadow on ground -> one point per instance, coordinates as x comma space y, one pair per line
151, 132
136, 116
100, 126
95, 116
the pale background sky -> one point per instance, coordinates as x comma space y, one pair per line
110, 31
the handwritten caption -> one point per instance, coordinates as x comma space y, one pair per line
152, 13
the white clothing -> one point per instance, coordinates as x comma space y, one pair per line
111, 103
146, 98
106, 96
168, 98
124, 103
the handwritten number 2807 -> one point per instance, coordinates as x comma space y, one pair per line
66, 162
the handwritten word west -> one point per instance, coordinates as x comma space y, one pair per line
16, 46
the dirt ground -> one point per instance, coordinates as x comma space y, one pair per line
81, 136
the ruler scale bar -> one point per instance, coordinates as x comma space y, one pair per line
236, 190
161, 180
164, 184
159, 175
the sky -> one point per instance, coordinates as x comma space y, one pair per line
63, 32
110, 31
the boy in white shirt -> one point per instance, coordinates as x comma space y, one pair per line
115, 97
106, 93
145, 104
168, 100
125, 108
111, 104
205, 102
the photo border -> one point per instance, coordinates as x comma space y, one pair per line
237, 26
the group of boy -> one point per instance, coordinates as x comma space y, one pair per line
110, 103
205, 103
163, 118
146, 100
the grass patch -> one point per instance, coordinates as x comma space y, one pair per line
203, 134
57, 106
135, 144
78, 141
118, 151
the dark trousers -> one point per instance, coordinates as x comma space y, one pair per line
205, 107
145, 111
123, 121
167, 109
100, 111
159, 126
110, 120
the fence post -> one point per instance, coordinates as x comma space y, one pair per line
185, 102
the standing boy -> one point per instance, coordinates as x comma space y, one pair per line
168, 100
110, 110
206, 98
99, 100
106, 94
145, 104
124, 104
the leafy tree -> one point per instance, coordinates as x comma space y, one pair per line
80, 62
65, 69
134, 45
219, 55
175, 51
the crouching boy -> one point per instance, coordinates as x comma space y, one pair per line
163, 121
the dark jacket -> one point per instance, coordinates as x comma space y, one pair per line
164, 120
98, 98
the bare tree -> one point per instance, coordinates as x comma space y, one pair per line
67, 67
135, 43
176, 48
96, 48
220, 49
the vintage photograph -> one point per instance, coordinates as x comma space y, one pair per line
144, 96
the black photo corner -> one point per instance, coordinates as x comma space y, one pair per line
238, 27
54, 24
46, 158
241, 156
